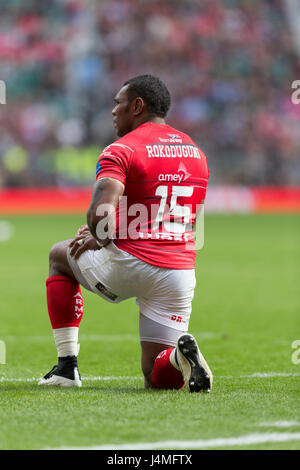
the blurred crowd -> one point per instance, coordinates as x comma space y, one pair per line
229, 65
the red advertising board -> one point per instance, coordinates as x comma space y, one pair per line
221, 199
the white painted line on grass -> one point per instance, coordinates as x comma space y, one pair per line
83, 337
11, 379
279, 424
130, 377
92, 379
263, 375
250, 439
259, 375
99, 337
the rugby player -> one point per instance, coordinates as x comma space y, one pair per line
160, 173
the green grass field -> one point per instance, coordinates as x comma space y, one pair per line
245, 318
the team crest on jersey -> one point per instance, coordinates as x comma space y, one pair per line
175, 138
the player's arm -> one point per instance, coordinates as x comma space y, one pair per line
100, 218
101, 213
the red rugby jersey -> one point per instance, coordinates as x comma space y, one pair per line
165, 176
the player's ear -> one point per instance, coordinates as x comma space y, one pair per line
138, 106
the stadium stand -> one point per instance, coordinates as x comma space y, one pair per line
229, 66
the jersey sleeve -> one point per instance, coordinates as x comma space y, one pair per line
114, 162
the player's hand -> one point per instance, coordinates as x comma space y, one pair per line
81, 243
82, 229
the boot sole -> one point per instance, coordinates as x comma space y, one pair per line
197, 379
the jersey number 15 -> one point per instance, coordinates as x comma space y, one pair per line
180, 213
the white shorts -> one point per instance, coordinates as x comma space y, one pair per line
163, 295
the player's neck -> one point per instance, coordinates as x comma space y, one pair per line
154, 119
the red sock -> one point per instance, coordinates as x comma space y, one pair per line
164, 374
64, 299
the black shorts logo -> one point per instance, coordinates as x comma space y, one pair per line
101, 288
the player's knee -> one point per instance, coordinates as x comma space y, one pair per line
58, 260
54, 254
57, 256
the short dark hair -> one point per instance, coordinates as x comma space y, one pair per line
153, 91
